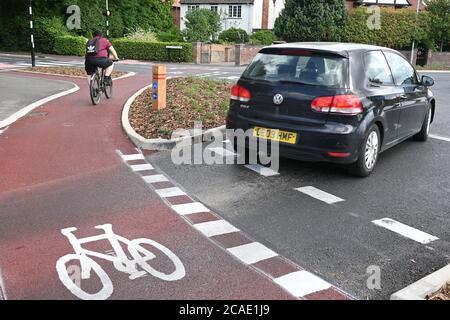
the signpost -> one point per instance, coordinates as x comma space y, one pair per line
33, 56
159, 86
419, 2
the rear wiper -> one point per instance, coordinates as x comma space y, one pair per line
298, 82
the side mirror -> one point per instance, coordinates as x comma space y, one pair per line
427, 81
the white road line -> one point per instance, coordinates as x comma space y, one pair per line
189, 208
3, 130
170, 192
252, 252
155, 178
405, 231
223, 152
141, 167
264, 171
22, 112
434, 136
319, 194
215, 228
302, 283
131, 157
2, 288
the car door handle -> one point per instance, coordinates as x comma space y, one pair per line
403, 97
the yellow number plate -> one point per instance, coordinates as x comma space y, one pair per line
275, 134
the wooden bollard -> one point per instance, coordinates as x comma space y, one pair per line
159, 86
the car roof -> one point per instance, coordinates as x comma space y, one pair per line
339, 48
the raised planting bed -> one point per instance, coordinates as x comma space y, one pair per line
68, 71
188, 100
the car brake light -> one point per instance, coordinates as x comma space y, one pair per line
339, 154
346, 104
240, 93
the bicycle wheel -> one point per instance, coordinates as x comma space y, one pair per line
109, 91
142, 255
94, 88
86, 262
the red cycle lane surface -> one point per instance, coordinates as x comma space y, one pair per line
59, 169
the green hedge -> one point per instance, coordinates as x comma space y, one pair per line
70, 45
234, 35
397, 28
153, 51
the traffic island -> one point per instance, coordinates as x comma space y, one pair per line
188, 100
74, 72
436, 286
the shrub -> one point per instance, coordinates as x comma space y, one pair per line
263, 37
153, 51
45, 32
312, 20
139, 34
171, 35
234, 35
202, 25
70, 45
398, 28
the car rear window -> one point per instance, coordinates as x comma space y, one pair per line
299, 66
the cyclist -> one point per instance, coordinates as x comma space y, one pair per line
100, 54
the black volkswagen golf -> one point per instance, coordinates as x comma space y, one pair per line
334, 102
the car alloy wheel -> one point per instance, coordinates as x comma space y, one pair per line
371, 150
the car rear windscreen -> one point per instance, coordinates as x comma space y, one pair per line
303, 67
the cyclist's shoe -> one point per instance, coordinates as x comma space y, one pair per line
108, 80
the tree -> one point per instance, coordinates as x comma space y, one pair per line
311, 20
439, 15
202, 25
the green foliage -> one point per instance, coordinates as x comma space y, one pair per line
171, 35
70, 45
46, 31
439, 14
397, 30
202, 25
140, 34
263, 37
311, 20
234, 35
154, 51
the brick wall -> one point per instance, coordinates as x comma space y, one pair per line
438, 58
222, 53
265, 15
245, 53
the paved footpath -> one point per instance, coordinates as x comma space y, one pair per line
61, 170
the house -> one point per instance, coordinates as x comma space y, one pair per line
250, 15
385, 3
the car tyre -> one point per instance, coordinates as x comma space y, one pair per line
425, 131
368, 153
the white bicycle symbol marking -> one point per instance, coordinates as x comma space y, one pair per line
121, 262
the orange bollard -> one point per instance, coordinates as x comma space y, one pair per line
159, 86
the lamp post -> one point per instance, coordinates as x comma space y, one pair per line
419, 2
33, 56
107, 18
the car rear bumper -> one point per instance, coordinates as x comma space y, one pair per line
314, 143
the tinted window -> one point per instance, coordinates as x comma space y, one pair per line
309, 69
377, 69
403, 72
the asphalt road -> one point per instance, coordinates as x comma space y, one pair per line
339, 241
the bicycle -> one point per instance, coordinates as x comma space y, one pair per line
97, 86
140, 257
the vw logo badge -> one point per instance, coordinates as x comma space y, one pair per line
278, 99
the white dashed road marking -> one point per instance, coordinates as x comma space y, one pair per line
302, 283
252, 253
434, 136
215, 228
320, 195
141, 167
170, 192
155, 178
404, 230
223, 152
189, 208
131, 157
264, 171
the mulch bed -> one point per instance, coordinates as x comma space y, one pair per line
188, 100
68, 71
443, 294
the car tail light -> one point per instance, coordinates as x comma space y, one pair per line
344, 104
240, 93
339, 154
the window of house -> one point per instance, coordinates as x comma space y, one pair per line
235, 11
193, 7
214, 8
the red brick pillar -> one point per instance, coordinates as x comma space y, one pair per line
197, 47
265, 15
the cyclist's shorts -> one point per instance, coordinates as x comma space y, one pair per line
92, 63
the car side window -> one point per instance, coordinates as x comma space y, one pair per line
404, 73
376, 68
